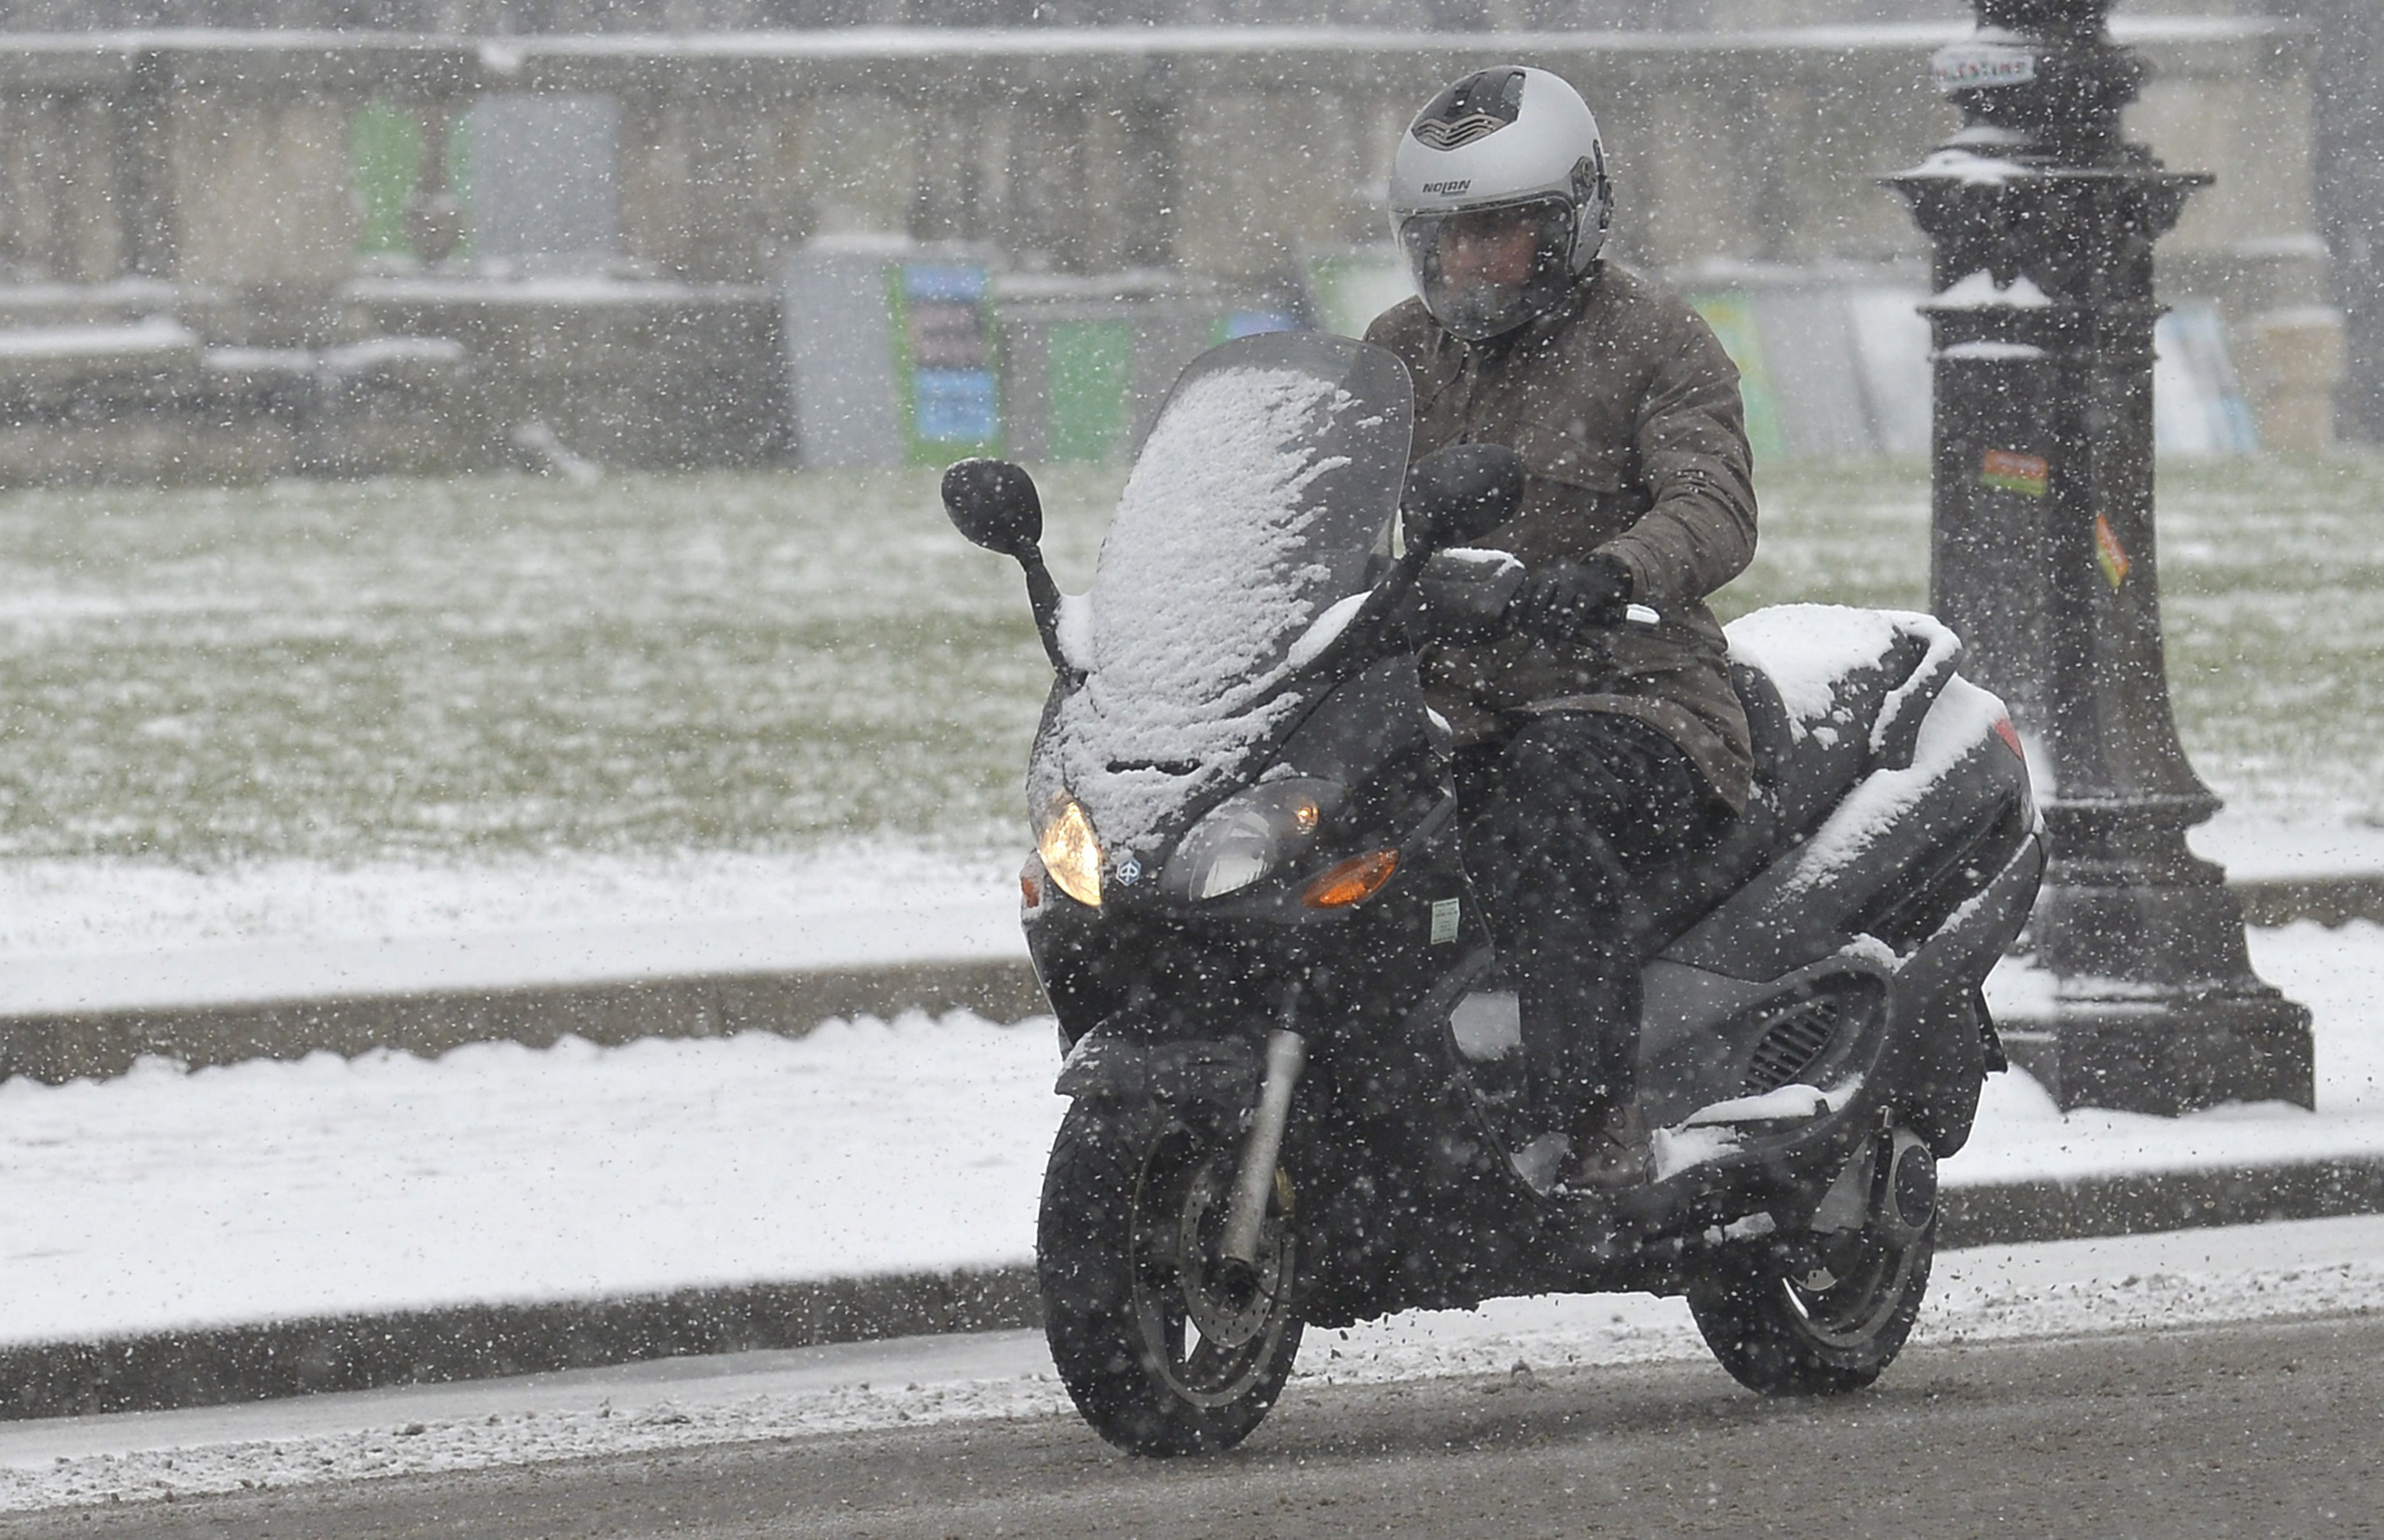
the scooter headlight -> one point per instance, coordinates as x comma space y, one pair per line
1249, 835
1071, 854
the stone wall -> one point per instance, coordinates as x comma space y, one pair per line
516, 18
219, 164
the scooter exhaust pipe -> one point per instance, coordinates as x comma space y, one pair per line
1287, 1055
1909, 1201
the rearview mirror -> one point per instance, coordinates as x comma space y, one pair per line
994, 504
1459, 493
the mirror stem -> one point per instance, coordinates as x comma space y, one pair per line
1043, 597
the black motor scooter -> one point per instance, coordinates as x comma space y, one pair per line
1294, 1061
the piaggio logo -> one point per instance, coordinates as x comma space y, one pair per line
1446, 189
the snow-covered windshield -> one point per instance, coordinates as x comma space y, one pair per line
1262, 500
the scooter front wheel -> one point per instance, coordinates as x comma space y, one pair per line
1821, 1324
1164, 1348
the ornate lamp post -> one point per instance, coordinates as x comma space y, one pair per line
2043, 221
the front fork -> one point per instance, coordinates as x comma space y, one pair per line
1286, 1054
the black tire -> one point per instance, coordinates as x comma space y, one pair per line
1832, 1326
1160, 1355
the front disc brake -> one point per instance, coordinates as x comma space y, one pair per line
1224, 1307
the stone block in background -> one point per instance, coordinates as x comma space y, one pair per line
2292, 361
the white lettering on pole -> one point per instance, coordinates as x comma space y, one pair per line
1970, 66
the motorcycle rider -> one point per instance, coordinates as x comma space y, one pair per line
1591, 753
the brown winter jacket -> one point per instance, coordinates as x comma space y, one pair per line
1626, 413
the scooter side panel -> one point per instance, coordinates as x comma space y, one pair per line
1964, 804
1911, 1022
1707, 1037
1951, 1031
1967, 946
1682, 1049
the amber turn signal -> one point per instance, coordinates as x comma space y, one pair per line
1354, 881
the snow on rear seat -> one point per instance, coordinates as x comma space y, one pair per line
1853, 686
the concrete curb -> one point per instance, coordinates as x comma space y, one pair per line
62, 1047
161, 1370
58, 1047
210, 1367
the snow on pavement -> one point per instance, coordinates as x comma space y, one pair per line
497, 1172
2339, 974
2139, 1283
107, 936
2254, 848
118, 934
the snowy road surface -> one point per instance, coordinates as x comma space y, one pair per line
2259, 1430
498, 1173
2205, 1382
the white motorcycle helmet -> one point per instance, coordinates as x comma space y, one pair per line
1495, 154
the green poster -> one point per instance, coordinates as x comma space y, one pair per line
1090, 361
385, 147
1732, 315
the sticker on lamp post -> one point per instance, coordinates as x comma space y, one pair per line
2109, 554
2007, 470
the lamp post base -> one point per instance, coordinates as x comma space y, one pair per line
2166, 1055
2148, 1003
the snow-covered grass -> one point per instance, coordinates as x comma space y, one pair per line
480, 669
499, 1173
311, 738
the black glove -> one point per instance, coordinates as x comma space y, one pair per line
1563, 601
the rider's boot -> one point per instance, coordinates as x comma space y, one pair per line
1542, 1163
1614, 1153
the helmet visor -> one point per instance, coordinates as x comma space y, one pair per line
1485, 271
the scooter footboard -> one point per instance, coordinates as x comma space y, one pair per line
1723, 1176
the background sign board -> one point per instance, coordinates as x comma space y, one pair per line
890, 357
947, 362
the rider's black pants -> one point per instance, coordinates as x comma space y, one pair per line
1562, 823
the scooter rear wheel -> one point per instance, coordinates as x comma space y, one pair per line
1164, 1350
1821, 1325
